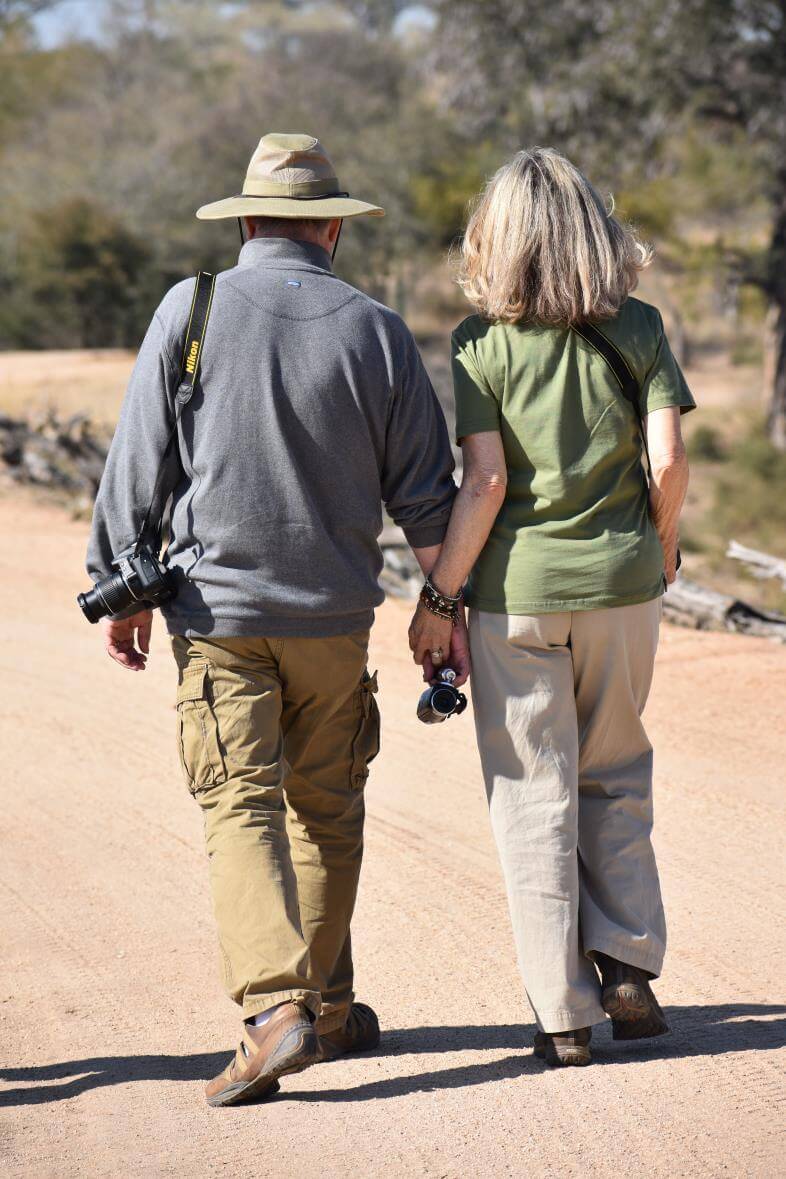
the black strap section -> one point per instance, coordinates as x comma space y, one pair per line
622, 371
201, 303
627, 383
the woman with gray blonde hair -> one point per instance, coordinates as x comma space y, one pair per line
563, 549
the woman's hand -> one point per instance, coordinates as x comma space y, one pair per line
429, 641
668, 482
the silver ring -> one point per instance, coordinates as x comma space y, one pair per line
437, 656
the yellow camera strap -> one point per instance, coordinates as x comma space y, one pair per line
201, 304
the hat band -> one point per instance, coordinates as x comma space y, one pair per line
303, 188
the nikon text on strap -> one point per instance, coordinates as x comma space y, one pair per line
187, 377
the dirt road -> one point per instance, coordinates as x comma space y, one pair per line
111, 1008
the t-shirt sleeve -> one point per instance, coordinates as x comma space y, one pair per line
477, 409
664, 383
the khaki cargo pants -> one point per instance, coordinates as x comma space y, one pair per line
275, 739
558, 700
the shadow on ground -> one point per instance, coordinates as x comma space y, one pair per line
696, 1031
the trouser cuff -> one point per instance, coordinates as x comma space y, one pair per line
648, 960
256, 1004
332, 1018
570, 1021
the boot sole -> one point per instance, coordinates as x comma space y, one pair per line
574, 1057
298, 1049
634, 1013
330, 1054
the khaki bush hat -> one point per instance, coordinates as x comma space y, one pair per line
289, 176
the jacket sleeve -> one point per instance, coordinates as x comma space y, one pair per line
145, 422
417, 479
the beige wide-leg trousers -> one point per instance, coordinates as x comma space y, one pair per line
568, 770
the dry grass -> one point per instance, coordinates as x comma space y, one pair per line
89, 382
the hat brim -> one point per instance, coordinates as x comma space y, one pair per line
256, 206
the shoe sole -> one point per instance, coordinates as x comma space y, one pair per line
327, 1053
634, 1012
574, 1057
298, 1049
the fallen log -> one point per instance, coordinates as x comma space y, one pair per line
696, 606
761, 565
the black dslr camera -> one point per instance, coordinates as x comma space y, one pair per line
439, 701
140, 578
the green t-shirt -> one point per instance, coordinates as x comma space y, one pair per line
574, 532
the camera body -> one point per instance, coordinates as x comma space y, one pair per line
441, 700
140, 578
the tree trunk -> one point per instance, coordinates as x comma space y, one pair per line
776, 423
777, 415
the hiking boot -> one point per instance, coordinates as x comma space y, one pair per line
564, 1048
628, 1000
359, 1033
285, 1043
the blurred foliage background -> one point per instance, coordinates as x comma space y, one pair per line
117, 126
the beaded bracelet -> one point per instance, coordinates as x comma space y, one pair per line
443, 605
439, 594
449, 617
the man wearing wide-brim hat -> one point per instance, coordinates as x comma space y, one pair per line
311, 409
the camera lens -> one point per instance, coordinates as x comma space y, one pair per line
91, 606
107, 596
443, 701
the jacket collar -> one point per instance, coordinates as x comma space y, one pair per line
282, 253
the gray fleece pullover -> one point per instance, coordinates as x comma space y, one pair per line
312, 408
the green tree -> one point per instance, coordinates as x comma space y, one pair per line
614, 83
77, 283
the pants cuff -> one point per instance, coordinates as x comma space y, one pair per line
332, 1018
570, 1021
650, 961
256, 1004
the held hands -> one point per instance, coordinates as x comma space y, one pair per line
119, 639
428, 633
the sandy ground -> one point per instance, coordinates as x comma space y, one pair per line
110, 1006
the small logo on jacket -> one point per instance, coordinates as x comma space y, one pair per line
293, 282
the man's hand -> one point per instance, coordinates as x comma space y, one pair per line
459, 650
119, 639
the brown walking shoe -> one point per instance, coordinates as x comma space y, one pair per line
628, 1000
359, 1033
564, 1048
286, 1043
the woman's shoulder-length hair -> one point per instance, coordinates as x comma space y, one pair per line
541, 246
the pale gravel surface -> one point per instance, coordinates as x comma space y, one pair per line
111, 1009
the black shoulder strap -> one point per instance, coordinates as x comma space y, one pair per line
622, 371
627, 383
199, 314
201, 303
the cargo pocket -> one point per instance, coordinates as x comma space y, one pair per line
200, 747
365, 747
